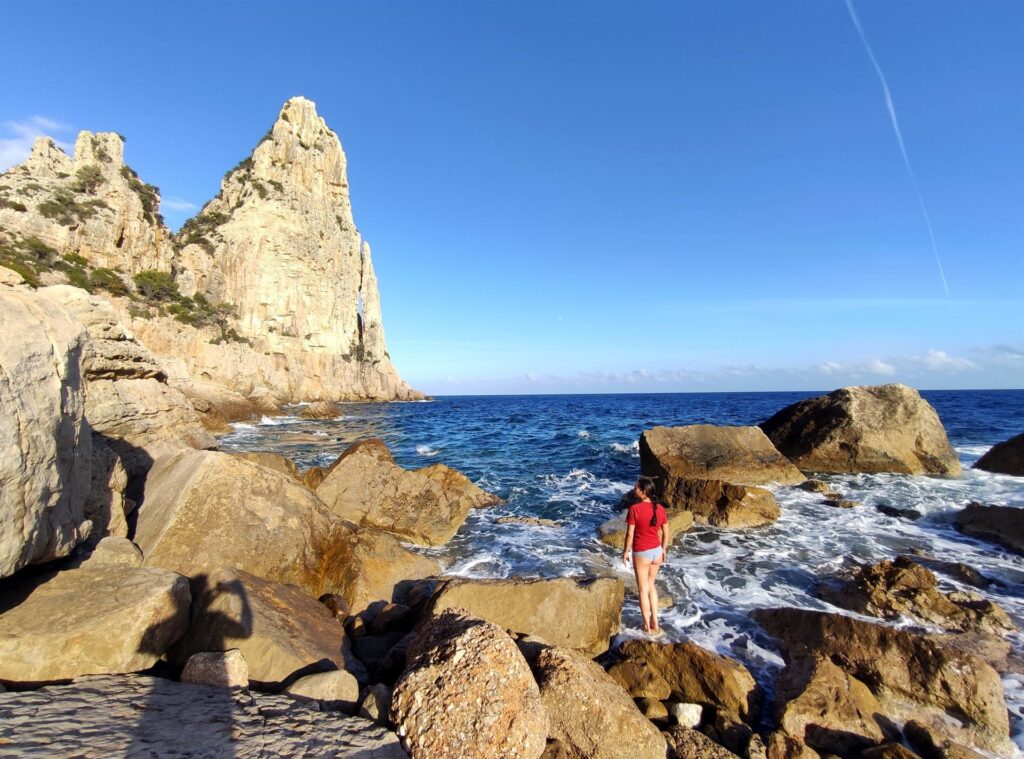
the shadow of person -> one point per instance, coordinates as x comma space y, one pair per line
178, 719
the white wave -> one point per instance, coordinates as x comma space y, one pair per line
276, 421
242, 426
627, 447
426, 450
583, 434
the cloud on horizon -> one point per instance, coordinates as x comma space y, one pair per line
17, 144
177, 204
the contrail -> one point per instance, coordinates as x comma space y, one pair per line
899, 139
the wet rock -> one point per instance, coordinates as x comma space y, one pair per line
532, 521
333, 691
1000, 524
841, 503
818, 486
321, 410
892, 511
376, 564
275, 461
721, 504
221, 669
468, 693
538, 607
883, 428
684, 743
1006, 457
613, 532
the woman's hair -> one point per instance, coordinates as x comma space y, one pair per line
648, 488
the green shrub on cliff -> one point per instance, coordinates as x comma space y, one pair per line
65, 209
149, 195
88, 179
157, 286
199, 228
14, 205
108, 280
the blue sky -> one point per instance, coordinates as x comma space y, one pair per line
604, 196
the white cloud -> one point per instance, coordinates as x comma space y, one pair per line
938, 361
15, 147
177, 204
877, 366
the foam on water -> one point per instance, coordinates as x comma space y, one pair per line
426, 450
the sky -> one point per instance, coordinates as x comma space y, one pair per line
594, 196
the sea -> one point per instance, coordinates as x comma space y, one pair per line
570, 458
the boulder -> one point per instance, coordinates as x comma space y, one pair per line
45, 445
891, 589
883, 428
930, 746
113, 551
652, 709
216, 404
107, 507
888, 751
375, 564
1006, 457
282, 632
376, 703
818, 486
1000, 524
740, 455
321, 410
698, 676
721, 504
275, 461
332, 691
911, 675
221, 669
454, 481
204, 509
468, 693
640, 680
685, 743
613, 532
538, 607
589, 713
782, 746
89, 621
130, 715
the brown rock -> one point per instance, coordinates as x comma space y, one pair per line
452, 480
275, 461
841, 503
532, 521
884, 428
720, 504
817, 486
216, 404
684, 743
112, 551
468, 694
376, 703
652, 709
782, 746
930, 746
376, 563
321, 410
336, 690
639, 680
373, 447
889, 751
1006, 457
337, 606
221, 669
613, 532
1000, 524
538, 607
740, 455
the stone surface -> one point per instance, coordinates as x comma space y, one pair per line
1000, 524
686, 715
321, 410
640, 680
696, 675
538, 607
911, 675
468, 694
721, 504
216, 404
221, 669
89, 621
45, 445
454, 481
891, 589
740, 455
375, 563
930, 746
589, 714
684, 743
1006, 457
375, 704
883, 428
532, 521
114, 551
127, 715
337, 690
282, 632
204, 510
107, 507
613, 532
275, 461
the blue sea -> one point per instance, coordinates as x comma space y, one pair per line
571, 457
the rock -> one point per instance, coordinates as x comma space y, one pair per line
892, 511
204, 510
652, 709
684, 743
740, 455
923, 740
281, 631
965, 573
888, 751
639, 680
720, 504
221, 669
275, 461
1006, 457
817, 486
45, 445
392, 618
538, 607
336, 605
146, 716
782, 746
696, 675
686, 715
10, 278
890, 589
113, 551
841, 503
452, 480
216, 404
883, 428
333, 691
469, 693
1000, 524
89, 621
613, 532
384, 656
313, 476
376, 565
376, 703
321, 410
107, 507
532, 521
589, 714
911, 675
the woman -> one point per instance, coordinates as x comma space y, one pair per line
647, 537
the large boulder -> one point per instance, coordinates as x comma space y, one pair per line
578, 613
1006, 457
366, 489
883, 428
376, 563
891, 589
321, 410
911, 675
217, 405
89, 621
590, 715
613, 532
454, 481
1000, 524
203, 510
686, 743
468, 693
281, 631
275, 461
740, 455
722, 504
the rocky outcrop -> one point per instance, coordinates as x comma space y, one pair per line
884, 428
613, 532
1000, 524
740, 455
468, 694
321, 410
275, 461
89, 621
722, 504
454, 481
375, 564
538, 607
203, 510
147, 716
45, 445
1006, 457
590, 715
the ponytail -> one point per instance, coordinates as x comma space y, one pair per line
648, 488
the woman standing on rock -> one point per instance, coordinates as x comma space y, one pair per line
647, 536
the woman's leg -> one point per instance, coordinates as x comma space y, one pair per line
652, 594
641, 568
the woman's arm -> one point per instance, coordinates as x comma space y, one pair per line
666, 538
627, 547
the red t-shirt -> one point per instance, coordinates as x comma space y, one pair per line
645, 537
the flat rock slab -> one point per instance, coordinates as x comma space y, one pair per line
136, 716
